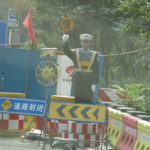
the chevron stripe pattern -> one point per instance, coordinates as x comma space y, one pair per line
78, 112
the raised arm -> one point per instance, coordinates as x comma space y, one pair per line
66, 48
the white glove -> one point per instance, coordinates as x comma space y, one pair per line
93, 88
65, 38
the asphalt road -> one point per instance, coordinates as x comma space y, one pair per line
15, 143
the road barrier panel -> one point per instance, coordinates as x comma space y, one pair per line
101, 128
115, 126
107, 95
62, 98
59, 126
11, 121
83, 121
143, 140
15, 95
14, 109
82, 128
22, 106
77, 112
129, 135
88, 141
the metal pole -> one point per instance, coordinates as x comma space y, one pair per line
97, 40
27, 73
10, 35
45, 119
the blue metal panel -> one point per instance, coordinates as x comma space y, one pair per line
37, 91
2, 67
1, 56
14, 64
3, 33
15, 70
3, 39
101, 62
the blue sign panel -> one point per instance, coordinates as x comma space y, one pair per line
22, 106
12, 14
12, 18
3, 34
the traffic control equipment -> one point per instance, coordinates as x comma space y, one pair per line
57, 126
108, 95
62, 98
11, 121
115, 126
82, 128
88, 141
129, 134
143, 141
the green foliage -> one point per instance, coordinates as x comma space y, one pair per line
124, 26
136, 95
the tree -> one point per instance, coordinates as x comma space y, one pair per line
123, 24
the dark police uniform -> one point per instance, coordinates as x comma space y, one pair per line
85, 73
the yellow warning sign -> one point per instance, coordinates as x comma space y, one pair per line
79, 112
6, 105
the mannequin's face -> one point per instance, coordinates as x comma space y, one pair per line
85, 45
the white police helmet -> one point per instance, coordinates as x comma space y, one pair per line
86, 37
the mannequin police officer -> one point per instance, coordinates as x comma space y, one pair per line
86, 68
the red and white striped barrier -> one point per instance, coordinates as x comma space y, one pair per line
106, 94
11, 122
59, 126
76, 128
87, 141
129, 135
82, 128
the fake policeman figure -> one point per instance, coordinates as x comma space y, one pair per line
86, 68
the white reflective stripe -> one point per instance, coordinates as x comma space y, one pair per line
112, 95
13, 124
63, 135
79, 128
92, 138
130, 130
116, 123
81, 143
21, 117
90, 128
97, 128
70, 136
70, 126
145, 137
5, 116
62, 127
